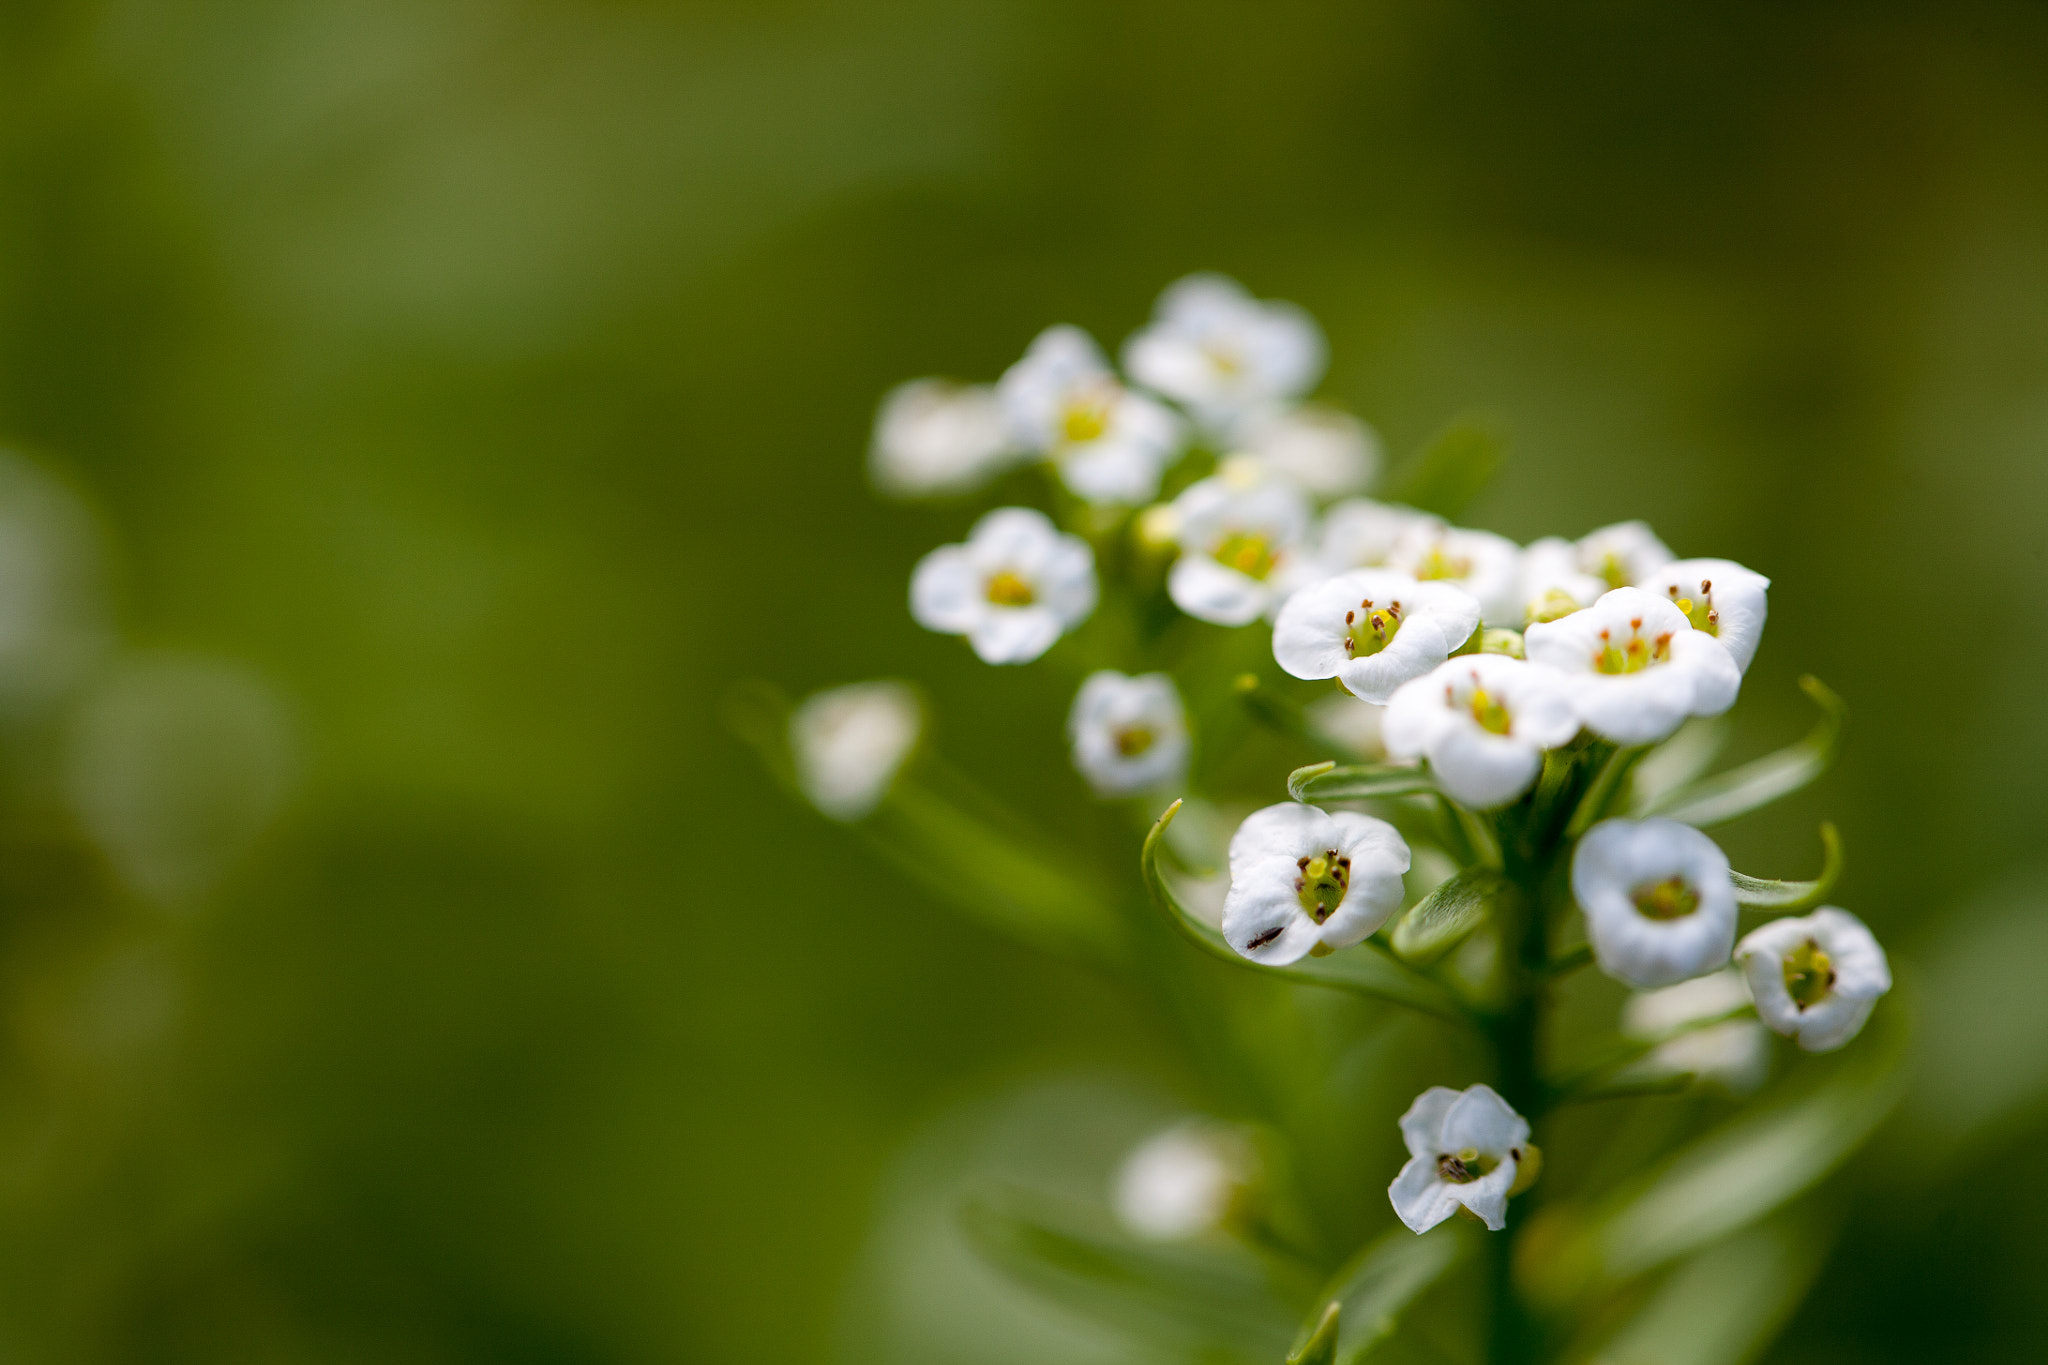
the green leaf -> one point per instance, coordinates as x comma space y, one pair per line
1742, 1171
1602, 792
1443, 919
1726, 1304
1764, 894
1719, 799
1365, 1299
1683, 758
1358, 781
1600, 1078
1320, 1346
1446, 474
1366, 969
1204, 1299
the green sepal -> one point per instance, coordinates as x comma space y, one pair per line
1357, 781
1762, 893
1445, 917
1451, 470
1364, 1301
1721, 798
1213, 1299
1366, 969
1320, 1346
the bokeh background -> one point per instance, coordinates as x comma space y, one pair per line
467, 392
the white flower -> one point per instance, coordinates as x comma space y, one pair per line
1815, 978
849, 741
1016, 586
1359, 533
1483, 722
1241, 541
1719, 597
1658, 900
1734, 1054
1303, 879
1487, 566
1223, 353
1640, 667
933, 437
1109, 444
1552, 583
1327, 452
1464, 1148
1130, 735
1373, 628
1185, 1182
1623, 555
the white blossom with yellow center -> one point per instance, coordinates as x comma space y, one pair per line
1110, 445
1487, 566
1623, 555
1014, 587
1129, 735
1466, 1149
1637, 665
1372, 629
848, 743
1720, 598
1241, 535
1223, 354
1815, 978
1483, 722
934, 437
1658, 900
1304, 881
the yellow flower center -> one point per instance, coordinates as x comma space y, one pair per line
1614, 571
1632, 655
1323, 881
1370, 629
1668, 899
1699, 610
1554, 603
1437, 565
1809, 974
1006, 589
1247, 552
1085, 420
1224, 360
1490, 714
1133, 740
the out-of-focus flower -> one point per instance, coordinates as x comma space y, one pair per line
1349, 723
1307, 881
1466, 1149
1623, 555
850, 741
1719, 597
1110, 445
934, 437
1372, 628
1224, 354
1186, 1181
1016, 586
1485, 565
1241, 536
1639, 666
1329, 453
1483, 722
53, 618
1734, 1054
1552, 583
1130, 735
1658, 900
1815, 978
1359, 533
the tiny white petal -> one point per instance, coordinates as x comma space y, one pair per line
1264, 917
1359, 533
1860, 975
1445, 715
849, 742
1242, 537
1014, 587
1624, 555
934, 437
1181, 1183
1223, 353
1326, 452
1483, 564
1617, 870
1311, 632
1062, 400
1130, 735
1737, 597
1639, 668
1443, 1126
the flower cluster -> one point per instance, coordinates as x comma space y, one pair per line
1521, 695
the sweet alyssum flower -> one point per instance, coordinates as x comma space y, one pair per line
1734, 1054
1241, 536
1359, 533
1623, 555
1016, 586
1483, 722
1639, 668
1186, 1181
1329, 453
1224, 354
1130, 735
1485, 565
1815, 978
1466, 1149
1109, 444
1552, 583
1373, 629
933, 437
849, 742
1658, 900
1719, 597
1303, 881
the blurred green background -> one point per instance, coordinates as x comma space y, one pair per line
491, 380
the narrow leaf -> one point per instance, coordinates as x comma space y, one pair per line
1721, 798
1378, 1284
1210, 1300
1366, 969
1444, 918
1726, 1304
1358, 781
1445, 475
1683, 758
1764, 894
1321, 1346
